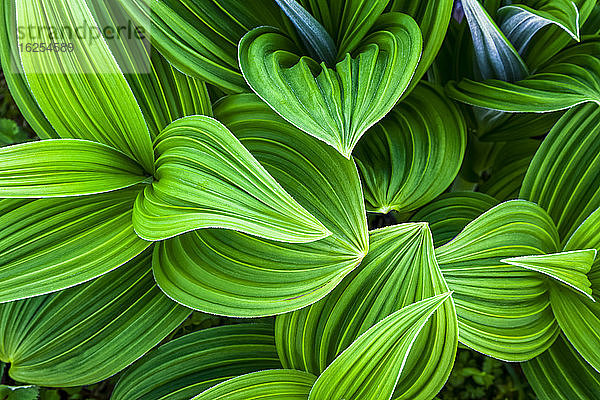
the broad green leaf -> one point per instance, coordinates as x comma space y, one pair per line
569, 268
579, 319
370, 367
451, 212
85, 334
83, 93
316, 39
413, 154
227, 272
187, 366
433, 18
560, 373
564, 173
64, 167
582, 328
509, 168
322, 181
495, 56
163, 93
568, 79
347, 21
205, 178
19, 392
336, 105
200, 37
592, 24
12, 69
166, 95
503, 311
520, 22
11, 133
51, 244
552, 38
273, 384
399, 270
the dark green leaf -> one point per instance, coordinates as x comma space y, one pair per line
193, 363
336, 105
51, 244
85, 334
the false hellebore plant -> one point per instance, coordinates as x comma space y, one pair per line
146, 198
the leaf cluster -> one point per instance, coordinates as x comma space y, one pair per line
302, 200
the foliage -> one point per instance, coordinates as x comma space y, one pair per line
321, 200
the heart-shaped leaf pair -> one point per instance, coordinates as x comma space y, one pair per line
336, 105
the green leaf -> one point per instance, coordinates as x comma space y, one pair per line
521, 22
569, 268
552, 38
64, 167
14, 75
370, 367
579, 319
582, 328
592, 24
82, 93
51, 244
560, 373
509, 168
163, 93
205, 178
85, 334
321, 180
347, 21
433, 18
315, 38
275, 384
413, 154
187, 366
495, 56
562, 177
200, 38
451, 212
334, 105
568, 79
227, 272
166, 95
400, 269
19, 392
584, 236
503, 311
